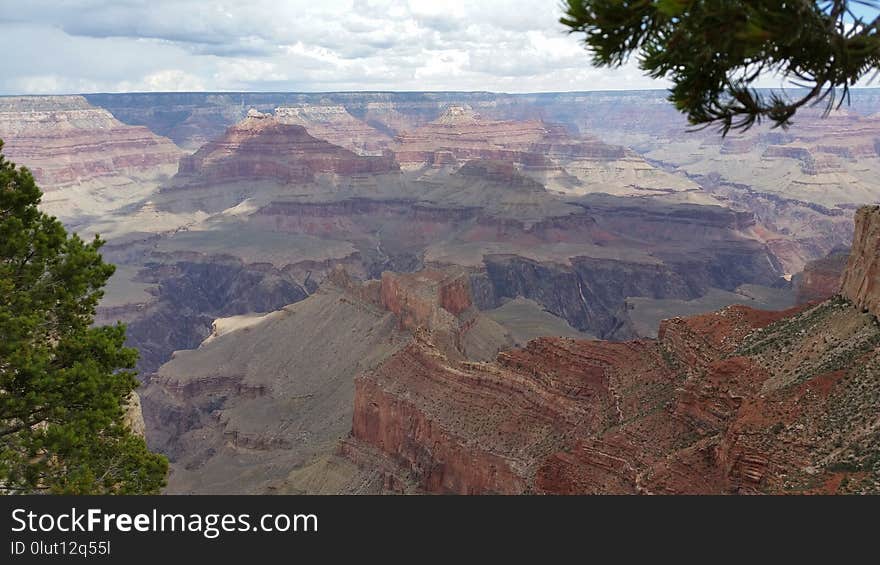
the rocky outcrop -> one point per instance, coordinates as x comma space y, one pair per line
405, 433
861, 280
737, 401
262, 147
461, 134
244, 397
334, 124
476, 429
419, 299
267, 395
87, 162
734, 401
549, 153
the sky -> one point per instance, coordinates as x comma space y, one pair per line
80, 46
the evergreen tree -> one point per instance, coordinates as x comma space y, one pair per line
64, 386
713, 51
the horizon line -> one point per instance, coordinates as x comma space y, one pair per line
325, 92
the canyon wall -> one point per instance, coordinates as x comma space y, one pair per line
735, 401
266, 395
189, 295
263, 148
820, 279
191, 118
83, 158
861, 280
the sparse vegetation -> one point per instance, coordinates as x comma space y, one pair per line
802, 347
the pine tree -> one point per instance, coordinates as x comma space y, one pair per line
713, 51
64, 384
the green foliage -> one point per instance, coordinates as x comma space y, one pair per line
63, 383
714, 50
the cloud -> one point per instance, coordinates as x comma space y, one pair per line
168, 80
120, 45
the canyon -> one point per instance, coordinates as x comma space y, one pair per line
739, 400
396, 292
264, 394
86, 161
734, 401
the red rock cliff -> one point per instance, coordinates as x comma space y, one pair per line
427, 299
861, 280
735, 401
263, 148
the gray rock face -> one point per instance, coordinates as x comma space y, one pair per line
590, 293
246, 407
193, 294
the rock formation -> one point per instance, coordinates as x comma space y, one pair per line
736, 401
189, 295
334, 124
262, 147
545, 152
794, 184
85, 160
861, 280
245, 408
462, 134
493, 210
708, 408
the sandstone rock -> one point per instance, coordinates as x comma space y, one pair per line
861, 280
428, 299
334, 124
736, 401
264, 148
685, 414
85, 160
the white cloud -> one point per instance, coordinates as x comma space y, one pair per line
120, 45
168, 80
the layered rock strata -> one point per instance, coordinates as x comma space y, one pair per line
861, 280
245, 409
735, 401
262, 147
64, 141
